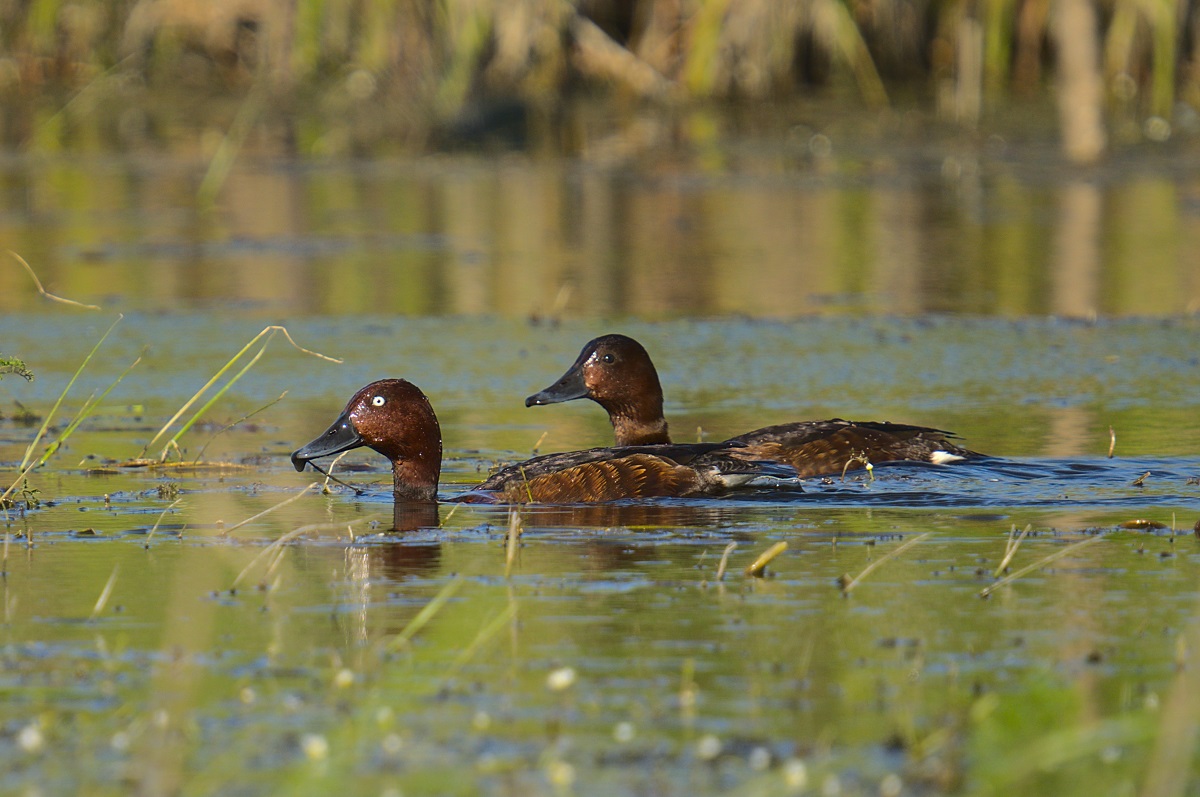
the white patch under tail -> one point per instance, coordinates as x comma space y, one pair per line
944, 458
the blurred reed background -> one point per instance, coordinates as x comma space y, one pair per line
1117, 69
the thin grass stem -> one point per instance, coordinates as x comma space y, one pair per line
54, 410
1010, 549
277, 547
511, 541
162, 515
38, 284
892, 554
271, 509
983, 593
270, 332
729, 549
105, 593
245, 417
482, 638
85, 411
231, 144
427, 613
174, 441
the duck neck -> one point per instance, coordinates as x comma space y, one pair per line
639, 426
416, 479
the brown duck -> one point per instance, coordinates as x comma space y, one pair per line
616, 372
394, 418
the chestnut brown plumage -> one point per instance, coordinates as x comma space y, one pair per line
395, 418
617, 373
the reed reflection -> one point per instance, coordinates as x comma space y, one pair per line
684, 237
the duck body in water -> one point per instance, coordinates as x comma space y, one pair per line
394, 418
617, 373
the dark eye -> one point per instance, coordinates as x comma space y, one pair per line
607, 358
379, 401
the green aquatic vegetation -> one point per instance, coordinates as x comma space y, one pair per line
28, 462
11, 365
268, 333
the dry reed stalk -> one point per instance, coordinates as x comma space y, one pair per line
511, 540
892, 554
38, 284
597, 55
105, 593
983, 593
154, 528
1010, 548
729, 549
756, 568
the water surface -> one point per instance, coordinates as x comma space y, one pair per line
607, 657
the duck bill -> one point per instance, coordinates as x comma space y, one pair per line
339, 437
568, 388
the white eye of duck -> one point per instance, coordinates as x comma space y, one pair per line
379, 401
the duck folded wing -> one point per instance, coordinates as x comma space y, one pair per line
613, 474
817, 448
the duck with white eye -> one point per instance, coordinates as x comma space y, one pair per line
394, 418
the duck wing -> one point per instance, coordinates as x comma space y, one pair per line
612, 474
817, 448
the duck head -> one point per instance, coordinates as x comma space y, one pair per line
615, 372
394, 418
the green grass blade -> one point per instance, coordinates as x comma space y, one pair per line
196, 396
83, 413
50, 415
216, 396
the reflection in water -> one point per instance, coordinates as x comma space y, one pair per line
663, 515
1076, 264
877, 227
414, 515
